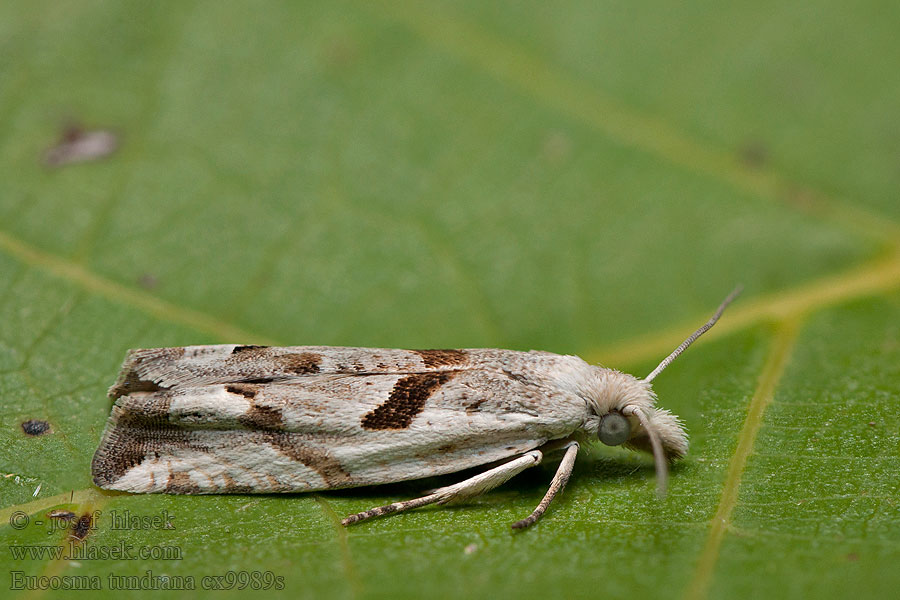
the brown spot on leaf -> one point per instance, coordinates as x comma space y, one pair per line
148, 281
442, 358
35, 427
180, 483
82, 527
557, 147
407, 399
754, 154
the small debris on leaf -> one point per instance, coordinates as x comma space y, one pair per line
35, 427
62, 515
79, 145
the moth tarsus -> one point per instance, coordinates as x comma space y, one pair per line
259, 419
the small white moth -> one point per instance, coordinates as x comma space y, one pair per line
254, 419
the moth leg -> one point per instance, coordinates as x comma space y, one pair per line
469, 488
556, 486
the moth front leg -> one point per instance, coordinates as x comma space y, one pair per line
469, 488
556, 486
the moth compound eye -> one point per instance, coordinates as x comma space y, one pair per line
614, 429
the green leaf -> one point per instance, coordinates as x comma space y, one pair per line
588, 179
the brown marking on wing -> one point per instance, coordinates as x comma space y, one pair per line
474, 407
303, 363
247, 390
133, 383
407, 399
299, 363
331, 470
262, 417
262, 380
443, 358
137, 434
130, 380
233, 487
239, 349
517, 377
180, 483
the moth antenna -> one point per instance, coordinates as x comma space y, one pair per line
659, 457
706, 327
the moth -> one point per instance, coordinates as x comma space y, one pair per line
257, 419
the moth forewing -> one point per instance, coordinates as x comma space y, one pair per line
254, 419
338, 428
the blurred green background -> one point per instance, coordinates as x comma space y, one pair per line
581, 177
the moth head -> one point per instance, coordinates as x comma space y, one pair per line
626, 415
634, 427
629, 416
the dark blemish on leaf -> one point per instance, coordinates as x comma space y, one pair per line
262, 417
303, 363
852, 556
407, 399
79, 145
341, 52
180, 483
247, 390
442, 358
82, 527
148, 281
754, 154
557, 147
35, 427
62, 515
239, 349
